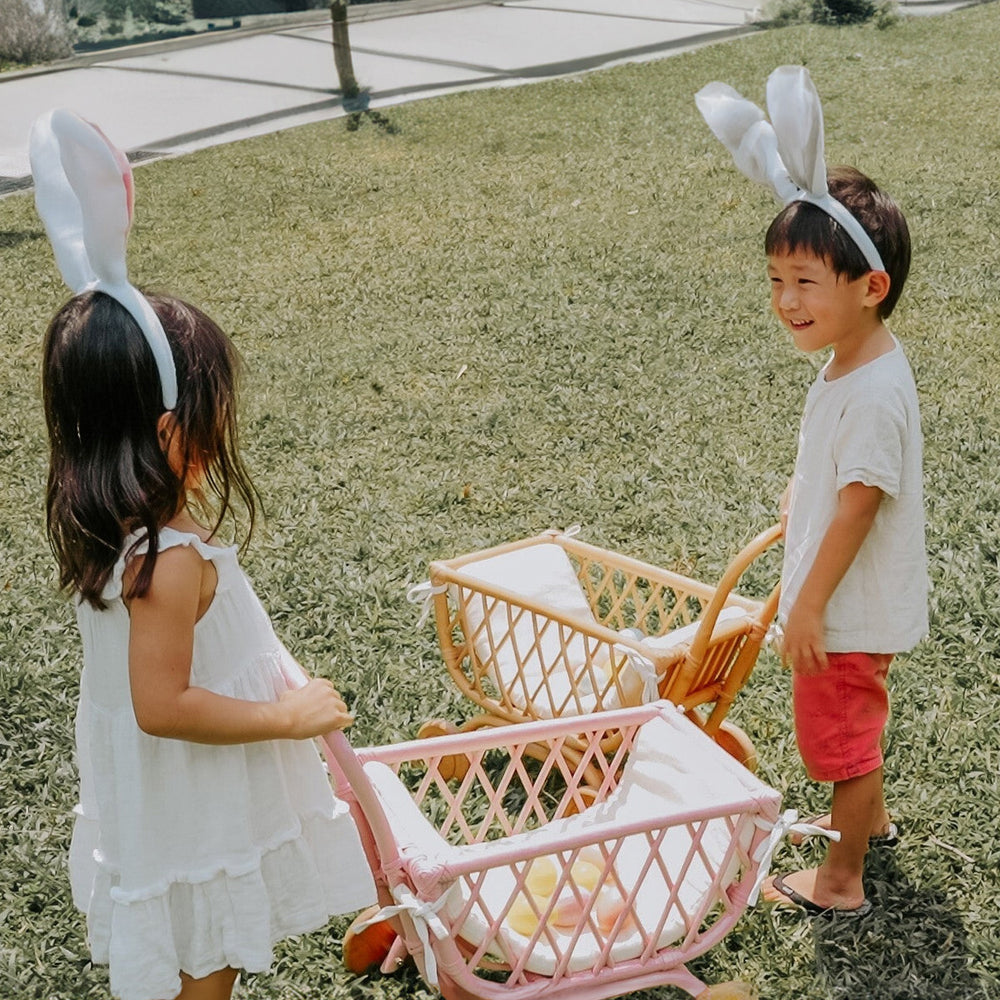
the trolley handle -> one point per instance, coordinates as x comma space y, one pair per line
736, 568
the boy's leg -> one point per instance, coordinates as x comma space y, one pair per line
858, 804
840, 716
883, 830
837, 883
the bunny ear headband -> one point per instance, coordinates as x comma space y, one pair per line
84, 195
785, 154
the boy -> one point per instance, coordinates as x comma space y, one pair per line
854, 580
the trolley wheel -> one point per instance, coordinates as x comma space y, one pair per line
728, 991
363, 949
454, 765
737, 744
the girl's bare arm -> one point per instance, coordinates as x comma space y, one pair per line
161, 643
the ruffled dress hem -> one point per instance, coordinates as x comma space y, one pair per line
232, 918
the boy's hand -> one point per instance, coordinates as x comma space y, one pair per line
783, 504
803, 646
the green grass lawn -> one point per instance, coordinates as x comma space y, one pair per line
530, 308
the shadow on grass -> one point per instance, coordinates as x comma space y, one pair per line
913, 945
358, 110
15, 237
356, 118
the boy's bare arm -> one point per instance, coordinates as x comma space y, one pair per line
804, 646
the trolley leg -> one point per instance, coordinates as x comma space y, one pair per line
683, 979
737, 744
395, 958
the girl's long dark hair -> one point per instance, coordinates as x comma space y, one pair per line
108, 471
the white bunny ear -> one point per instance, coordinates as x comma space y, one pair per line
797, 116
758, 157
742, 128
84, 196
728, 113
788, 156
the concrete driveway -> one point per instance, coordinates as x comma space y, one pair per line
169, 98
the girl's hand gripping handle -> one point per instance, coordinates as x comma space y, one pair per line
314, 705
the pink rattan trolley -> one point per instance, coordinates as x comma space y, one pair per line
502, 879
550, 626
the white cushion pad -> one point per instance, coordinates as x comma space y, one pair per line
673, 768
555, 678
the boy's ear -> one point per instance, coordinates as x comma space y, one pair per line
878, 287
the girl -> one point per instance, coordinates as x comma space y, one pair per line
207, 829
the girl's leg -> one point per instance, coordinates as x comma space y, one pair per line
215, 986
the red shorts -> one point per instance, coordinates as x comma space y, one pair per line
840, 714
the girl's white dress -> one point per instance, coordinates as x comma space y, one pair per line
192, 857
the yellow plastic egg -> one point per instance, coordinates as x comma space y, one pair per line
586, 874
541, 877
521, 917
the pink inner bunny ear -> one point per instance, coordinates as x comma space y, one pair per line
125, 167
93, 173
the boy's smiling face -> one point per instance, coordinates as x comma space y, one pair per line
819, 307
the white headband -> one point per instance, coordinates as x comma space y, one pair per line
785, 154
84, 195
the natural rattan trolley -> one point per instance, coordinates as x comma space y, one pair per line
551, 626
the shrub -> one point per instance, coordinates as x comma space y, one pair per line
886, 14
162, 11
849, 11
33, 31
779, 13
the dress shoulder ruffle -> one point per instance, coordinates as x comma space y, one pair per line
137, 544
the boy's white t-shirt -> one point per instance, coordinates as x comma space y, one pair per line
863, 427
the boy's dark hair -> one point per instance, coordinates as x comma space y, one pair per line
802, 226
108, 473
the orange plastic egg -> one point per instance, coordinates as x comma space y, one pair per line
610, 904
568, 909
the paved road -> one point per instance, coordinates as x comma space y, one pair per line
172, 98
164, 99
